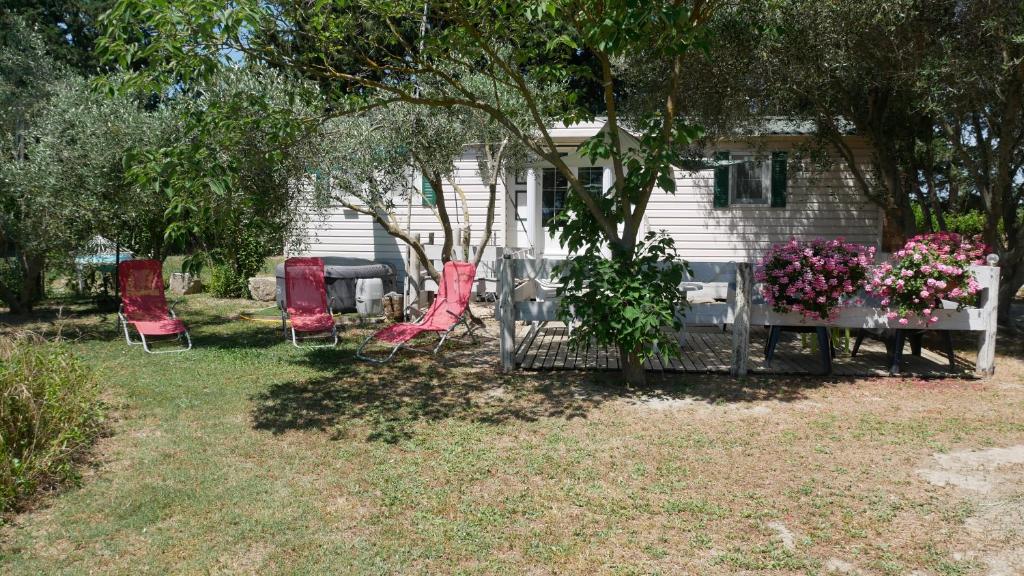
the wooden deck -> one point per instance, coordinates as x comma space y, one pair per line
709, 351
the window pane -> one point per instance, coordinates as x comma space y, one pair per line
748, 187
592, 179
553, 189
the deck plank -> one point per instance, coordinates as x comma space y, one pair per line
525, 348
703, 352
719, 347
544, 349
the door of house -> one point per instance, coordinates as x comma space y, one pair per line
554, 189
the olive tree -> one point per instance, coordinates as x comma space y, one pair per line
372, 156
230, 171
61, 165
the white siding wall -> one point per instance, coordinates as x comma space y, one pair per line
819, 203
342, 232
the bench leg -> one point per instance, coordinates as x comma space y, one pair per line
915, 343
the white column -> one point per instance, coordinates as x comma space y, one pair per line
533, 211
607, 179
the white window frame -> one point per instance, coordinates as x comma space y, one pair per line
595, 167
766, 181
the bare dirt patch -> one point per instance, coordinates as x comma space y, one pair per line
993, 480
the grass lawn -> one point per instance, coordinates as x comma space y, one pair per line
249, 456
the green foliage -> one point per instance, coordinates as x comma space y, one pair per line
625, 302
68, 28
970, 223
61, 167
231, 279
233, 172
50, 413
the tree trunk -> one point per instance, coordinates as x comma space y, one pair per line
20, 299
1010, 282
933, 195
926, 211
632, 368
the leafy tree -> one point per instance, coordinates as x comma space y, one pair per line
67, 28
859, 62
61, 172
63, 186
372, 156
231, 170
978, 93
517, 46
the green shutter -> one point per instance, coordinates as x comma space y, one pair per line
779, 162
721, 181
429, 196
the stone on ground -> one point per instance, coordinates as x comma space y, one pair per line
184, 283
263, 288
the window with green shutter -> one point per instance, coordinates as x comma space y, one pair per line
721, 199
750, 180
779, 177
429, 196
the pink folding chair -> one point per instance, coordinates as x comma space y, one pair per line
448, 311
144, 306
305, 298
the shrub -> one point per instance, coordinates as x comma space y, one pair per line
812, 278
226, 283
50, 414
928, 269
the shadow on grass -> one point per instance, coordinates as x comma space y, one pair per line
77, 319
393, 399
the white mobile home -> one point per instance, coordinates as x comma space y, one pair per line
768, 191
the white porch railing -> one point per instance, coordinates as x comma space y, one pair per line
516, 304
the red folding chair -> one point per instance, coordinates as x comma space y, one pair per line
305, 298
144, 306
448, 311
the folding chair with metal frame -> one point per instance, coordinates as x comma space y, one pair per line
306, 307
449, 309
144, 306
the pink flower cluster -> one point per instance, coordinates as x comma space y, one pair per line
928, 269
812, 277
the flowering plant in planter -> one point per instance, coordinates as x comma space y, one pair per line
928, 269
812, 277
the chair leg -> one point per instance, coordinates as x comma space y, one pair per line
861, 334
773, 340
825, 350
915, 343
188, 340
334, 335
947, 338
897, 353
127, 333
361, 356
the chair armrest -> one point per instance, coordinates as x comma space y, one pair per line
330, 305
170, 307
